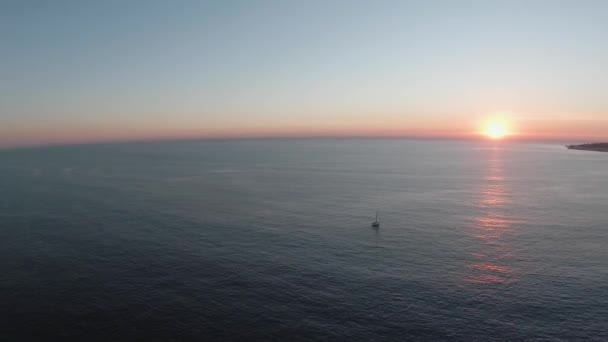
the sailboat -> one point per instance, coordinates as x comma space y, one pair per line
376, 223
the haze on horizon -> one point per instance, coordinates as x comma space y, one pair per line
84, 71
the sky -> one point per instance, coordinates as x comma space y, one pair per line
84, 71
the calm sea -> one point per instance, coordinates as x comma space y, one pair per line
271, 240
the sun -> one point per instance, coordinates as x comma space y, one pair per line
496, 129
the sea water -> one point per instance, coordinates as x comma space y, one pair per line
271, 240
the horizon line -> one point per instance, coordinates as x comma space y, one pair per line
470, 137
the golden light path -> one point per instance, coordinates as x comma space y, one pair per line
492, 259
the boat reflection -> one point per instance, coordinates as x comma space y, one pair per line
491, 260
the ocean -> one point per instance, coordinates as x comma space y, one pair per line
271, 240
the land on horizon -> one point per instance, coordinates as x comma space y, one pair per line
598, 147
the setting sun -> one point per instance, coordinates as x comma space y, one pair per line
496, 129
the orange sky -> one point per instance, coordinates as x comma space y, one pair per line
519, 128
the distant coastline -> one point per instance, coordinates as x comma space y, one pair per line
600, 147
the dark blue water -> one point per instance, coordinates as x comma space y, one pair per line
271, 240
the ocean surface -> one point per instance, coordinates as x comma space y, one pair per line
271, 240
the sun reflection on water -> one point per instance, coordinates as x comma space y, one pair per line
491, 259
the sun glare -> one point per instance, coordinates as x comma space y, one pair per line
496, 129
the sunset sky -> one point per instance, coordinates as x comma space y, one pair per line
76, 71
